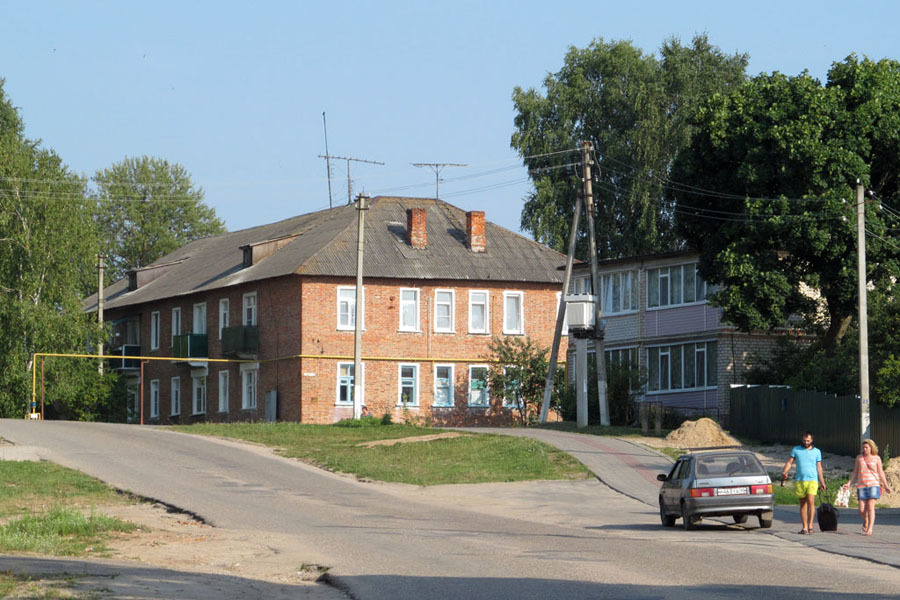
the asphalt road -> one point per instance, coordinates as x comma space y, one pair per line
518, 541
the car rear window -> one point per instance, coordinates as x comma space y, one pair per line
728, 465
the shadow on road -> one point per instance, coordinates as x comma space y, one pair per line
396, 587
115, 579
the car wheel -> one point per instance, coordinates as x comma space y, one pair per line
765, 520
688, 521
739, 518
667, 519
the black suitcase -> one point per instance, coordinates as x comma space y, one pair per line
827, 515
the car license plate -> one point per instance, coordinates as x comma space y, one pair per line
732, 491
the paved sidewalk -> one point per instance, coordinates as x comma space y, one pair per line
631, 468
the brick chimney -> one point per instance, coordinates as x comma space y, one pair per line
415, 228
475, 230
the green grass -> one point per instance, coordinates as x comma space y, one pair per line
41, 505
786, 495
61, 531
475, 458
30, 486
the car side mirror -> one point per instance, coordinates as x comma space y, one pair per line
661, 477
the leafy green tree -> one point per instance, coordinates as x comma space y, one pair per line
518, 375
636, 110
48, 249
766, 192
146, 208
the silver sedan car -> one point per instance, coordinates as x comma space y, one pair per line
716, 483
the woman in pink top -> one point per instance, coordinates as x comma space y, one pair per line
869, 478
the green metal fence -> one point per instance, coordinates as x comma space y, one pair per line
779, 414
886, 427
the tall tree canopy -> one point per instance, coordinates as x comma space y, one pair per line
147, 208
635, 108
48, 249
766, 192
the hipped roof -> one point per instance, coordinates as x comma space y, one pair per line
325, 244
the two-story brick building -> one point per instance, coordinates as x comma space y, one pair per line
656, 317
260, 322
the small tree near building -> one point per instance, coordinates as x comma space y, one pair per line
518, 375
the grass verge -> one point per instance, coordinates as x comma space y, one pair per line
475, 458
787, 496
42, 507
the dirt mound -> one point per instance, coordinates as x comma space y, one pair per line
892, 474
700, 433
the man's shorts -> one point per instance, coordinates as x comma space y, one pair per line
868, 493
806, 488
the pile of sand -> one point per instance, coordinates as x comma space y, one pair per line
700, 434
892, 474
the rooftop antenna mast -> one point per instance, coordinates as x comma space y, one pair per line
437, 168
349, 181
327, 158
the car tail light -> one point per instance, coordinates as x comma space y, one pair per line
761, 489
703, 492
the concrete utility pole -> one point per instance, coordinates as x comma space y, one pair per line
560, 313
586, 149
362, 207
865, 426
328, 157
437, 168
100, 310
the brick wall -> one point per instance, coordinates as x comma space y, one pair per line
382, 339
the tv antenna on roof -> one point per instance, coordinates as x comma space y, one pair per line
437, 168
349, 181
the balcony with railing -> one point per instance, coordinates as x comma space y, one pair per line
124, 363
190, 346
241, 341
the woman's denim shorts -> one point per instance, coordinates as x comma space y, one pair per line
868, 493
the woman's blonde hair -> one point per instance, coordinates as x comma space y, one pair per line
872, 446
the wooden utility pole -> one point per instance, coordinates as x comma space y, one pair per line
865, 425
361, 207
560, 314
586, 150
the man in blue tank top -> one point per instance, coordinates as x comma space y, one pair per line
808, 478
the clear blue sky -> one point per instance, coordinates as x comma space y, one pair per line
235, 91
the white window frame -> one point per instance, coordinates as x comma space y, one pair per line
224, 380
249, 310
414, 403
487, 310
198, 326
357, 310
154, 330
224, 306
675, 281
676, 354
198, 383
175, 397
154, 398
452, 385
626, 301
176, 323
487, 395
249, 370
519, 328
337, 392
451, 309
404, 303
